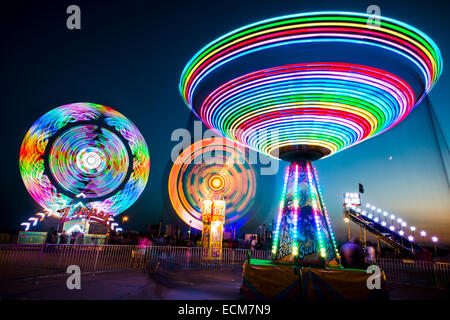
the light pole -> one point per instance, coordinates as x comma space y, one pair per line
411, 240
392, 219
189, 232
347, 220
392, 228
423, 234
401, 233
413, 229
435, 240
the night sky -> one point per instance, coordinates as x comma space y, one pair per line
129, 55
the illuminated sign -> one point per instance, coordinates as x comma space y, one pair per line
352, 199
213, 218
80, 212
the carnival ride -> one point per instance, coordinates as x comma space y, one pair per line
212, 186
385, 227
83, 162
304, 87
401, 244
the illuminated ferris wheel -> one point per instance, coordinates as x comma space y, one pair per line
84, 159
207, 167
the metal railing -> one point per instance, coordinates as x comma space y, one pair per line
421, 273
21, 261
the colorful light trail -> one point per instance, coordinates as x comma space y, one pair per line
303, 87
212, 165
318, 102
88, 150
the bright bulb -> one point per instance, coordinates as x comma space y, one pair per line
423, 233
413, 228
91, 160
434, 239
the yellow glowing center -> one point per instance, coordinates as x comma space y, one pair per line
216, 183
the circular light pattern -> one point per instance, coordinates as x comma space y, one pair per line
316, 82
212, 167
90, 160
84, 152
332, 106
216, 183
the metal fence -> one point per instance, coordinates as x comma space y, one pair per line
421, 273
20, 261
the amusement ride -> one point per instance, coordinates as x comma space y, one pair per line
212, 187
301, 88
83, 163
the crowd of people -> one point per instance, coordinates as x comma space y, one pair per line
141, 238
353, 255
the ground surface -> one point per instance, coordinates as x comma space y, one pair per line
184, 285
130, 285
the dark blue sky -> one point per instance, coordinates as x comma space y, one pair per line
129, 55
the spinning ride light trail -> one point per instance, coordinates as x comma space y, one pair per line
330, 99
84, 153
209, 166
303, 87
330, 106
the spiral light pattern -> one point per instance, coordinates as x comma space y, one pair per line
210, 166
289, 81
84, 148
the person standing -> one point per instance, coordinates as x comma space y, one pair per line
352, 255
253, 243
